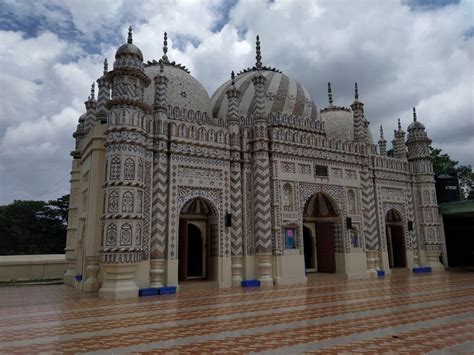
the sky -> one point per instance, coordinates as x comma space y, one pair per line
402, 54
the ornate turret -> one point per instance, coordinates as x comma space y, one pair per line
418, 142
329, 95
124, 226
382, 143
361, 125
103, 96
399, 150
91, 105
161, 82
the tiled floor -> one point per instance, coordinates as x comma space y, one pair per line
404, 313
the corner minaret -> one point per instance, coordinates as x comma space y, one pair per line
261, 178
330, 95
382, 143
91, 105
361, 125
124, 222
233, 95
103, 95
418, 142
399, 150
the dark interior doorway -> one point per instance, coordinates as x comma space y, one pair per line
195, 252
395, 240
325, 247
308, 244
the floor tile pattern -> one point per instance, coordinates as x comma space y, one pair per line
404, 313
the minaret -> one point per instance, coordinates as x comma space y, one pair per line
91, 105
382, 143
360, 123
261, 178
236, 233
426, 208
399, 149
126, 176
159, 227
103, 95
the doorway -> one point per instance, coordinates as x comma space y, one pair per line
309, 247
395, 239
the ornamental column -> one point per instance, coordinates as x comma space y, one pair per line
124, 186
261, 180
159, 223
236, 231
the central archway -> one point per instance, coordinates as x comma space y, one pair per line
395, 239
320, 215
197, 228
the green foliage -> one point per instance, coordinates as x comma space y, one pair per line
33, 227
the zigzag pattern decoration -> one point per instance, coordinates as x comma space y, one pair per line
369, 212
160, 207
236, 208
262, 203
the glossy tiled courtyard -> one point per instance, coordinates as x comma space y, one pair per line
403, 313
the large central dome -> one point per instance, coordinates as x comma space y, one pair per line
282, 95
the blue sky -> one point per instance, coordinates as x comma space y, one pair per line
403, 53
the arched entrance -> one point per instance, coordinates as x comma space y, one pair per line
395, 239
320, 215
197, 233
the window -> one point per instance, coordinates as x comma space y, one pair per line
115, 169
127, 202
113, 202
129, 169
321, 170
126, 234
287, 197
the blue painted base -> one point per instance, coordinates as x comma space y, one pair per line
250, 283
78, 278
380, 273
148, 292
167, 290
421, 269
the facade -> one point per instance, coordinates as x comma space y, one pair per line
256, 182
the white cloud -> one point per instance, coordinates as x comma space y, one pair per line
400, 57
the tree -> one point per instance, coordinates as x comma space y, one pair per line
33, 227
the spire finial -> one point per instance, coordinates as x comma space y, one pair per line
161, 67
232, 78
399, 125
329, 93
106, 66
165, 46
92, 91
381, 132
356, 91
414, 114
130, 38
258, 57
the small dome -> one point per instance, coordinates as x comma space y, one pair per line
416, 125
338, 123
183, 90
282, 95
128, 49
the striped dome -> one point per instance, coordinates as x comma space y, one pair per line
282, 95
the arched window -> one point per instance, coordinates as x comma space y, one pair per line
129, 169
115, 169
139, 201
126, 234
287, 197
111, 236
113, 202
127, 202
351, 202
138, 236
140, 170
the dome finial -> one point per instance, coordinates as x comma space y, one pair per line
161, 67
329, 93
258, 57
165, 47
130, 37
356, 91
414, 114
92, 97
232, 78
399, 125
106, 66
381, 132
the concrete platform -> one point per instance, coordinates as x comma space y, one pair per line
402, 312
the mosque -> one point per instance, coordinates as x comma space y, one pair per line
255, 182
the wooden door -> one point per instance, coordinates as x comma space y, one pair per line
183, 249
325, 247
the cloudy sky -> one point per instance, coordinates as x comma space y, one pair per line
402, 53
